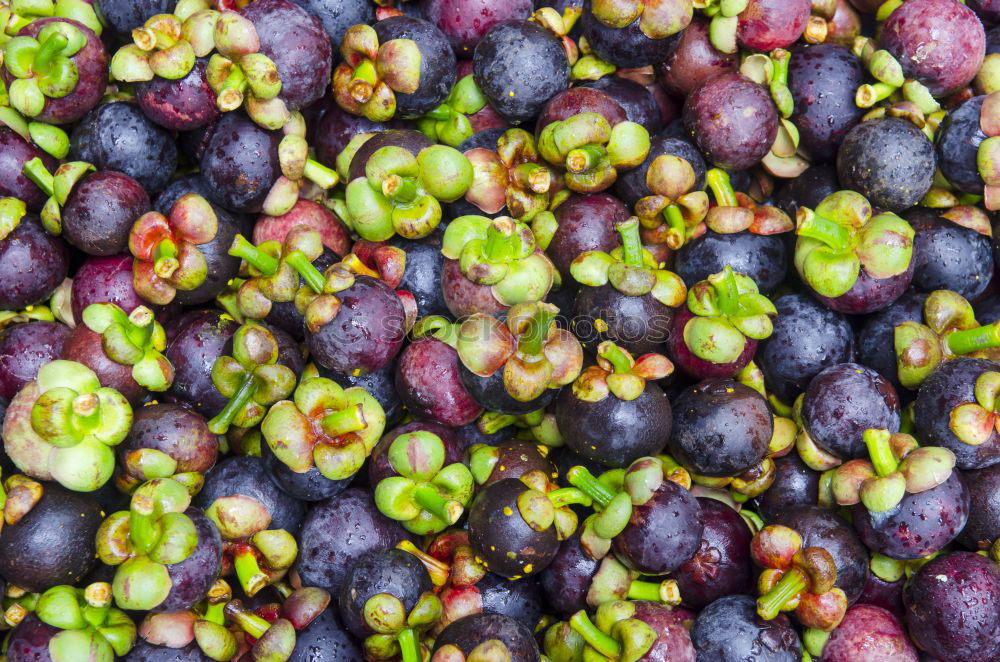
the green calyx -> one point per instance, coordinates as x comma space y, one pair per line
276, 269
90, 628
618, 374
263, 558
630, 268
614, 581
673, 215
396, 632
841, 237
57, 187
371, 74
43, 67
275, 642
449, 123
12, 211
19, 13
771, 71
883, 67
546, 356
296, 168
616, 635
326, 426
426, 496
728, 308
135, 339
167, 46
251, 378
401, 193
612, 509
657, 20
513, 175
591, 150
976, 422
47, 137
500, 253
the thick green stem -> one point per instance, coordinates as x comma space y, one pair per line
585, 158
727, 293
409, 649
253, 256
675, 219
399, 189
310, 274
498, 239
534, 177
640, 590
319, 174
220, 424
779, 71
722, 188
144, 532
36, 171
580, 478
567, 496
52, 47
974, 340
614, 355
165, 261
602, 643
830, 233
249, 622
631, 242
492, 422
532, 341
346, 420
880, 451
790, 585
440, 114
215, 613
252, 579
445, 509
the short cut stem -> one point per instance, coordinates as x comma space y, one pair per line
790, 585
580, 478
722, 188
880, 451
256, 258
974, 340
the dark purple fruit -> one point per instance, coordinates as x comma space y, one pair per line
694, 61
586, 223
820, 527
24, 348
768, 24
15, 151
808, 189
414, 141
507, 544
29, 642
636, 100
391, 571
729, 630
794, 484
948, 256
104, 280
763, 258
337, 126
33, 264
631, 184
464, 22
876, 344
325, 640
957, 140
191, 578
86, 347
566, 581
175, 430
638, 324
246, 476
240, 163
625, 47
662, 533
437, 63
193, 352
100, 210
123, 16
983, 526
722, 564
469, 632
422, 277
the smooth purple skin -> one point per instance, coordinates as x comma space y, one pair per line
794, 484
887, 595
29, 642
179, 432
464, 22
367, 332
953, 607
378, 465
467, 633
100, 212
239, 163
299, 46
15, 151
699, 368
586, 223
722, 564
409, 139
845, 400
869, 295
92, 66
761, 257
694, 61
673, 643
305, 212
983, 526
193, 352
462, 296
24, 349
820, 527
869, 634
639, 325
33, 264
84, 346
939, 42
336, 127
948, 256
104, 280
429, 383
768, 24
566, 580
987, 10
577, 100
181, 105
638, 102
193, 576
732, 120
662, 533
729, 630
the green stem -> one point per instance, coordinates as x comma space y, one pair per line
640, 590
319, 174
830, 233
428, 498
536, 178
675, 219
409, 650
973, 340
52, 47
532, 341
399, 189
498, 240
220, 424
580, 478
144, 532
140, 326
585, 158
602, 643
790, 585
253, 256
722, 188
36, 171
614, 355
165, 261
631, 242
492, 422
215, 613
567, 496
249, 622
779, 70
310, 274
880, 451
346, 420
248, 571
727, 293
870, 94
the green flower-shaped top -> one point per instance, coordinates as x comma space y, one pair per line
12, 211
91, 629
273, 641
727, 309
614, 581
897, 467
449, 123
616, 635
324, 426
658, 19
618, 374
62, 426
398, 632
400, 192
975, 422
630, 268
591, 150
297, 169
888, 74
950, 330
43, 67
371, 74
49, 138
167, 45
57, 187
251, 378
275, 269
15, 15
673, 214
841, 237
425, 495
135, 339
145, 539
500, 253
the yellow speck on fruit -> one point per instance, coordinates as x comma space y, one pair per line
511, 93
507, 511
528, 568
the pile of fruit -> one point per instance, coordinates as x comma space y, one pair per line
499, 330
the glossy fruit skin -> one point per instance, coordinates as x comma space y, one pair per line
868, 294
429, 380
437, 63
823, 80
123, 16
729, 630
379, 383
100, 210
768, 24
959, 39
366, 334
506, 544
118, 136
462, 296
467, 633
722, 564
193, 576
808, 189
335, 235
336, 127
957, 141
876, 337
391, 571
491, 394
672, 643
615, 432
586, 223
33, 264
566, 581
760, 257
950, 385
409, 139
24, 349
631, 184
637, 101
240, 163
104, 280
794, 484
520, 600
575, 100
820, 527
338, 15
193, 352
175, 430
842, 402
29, 642
143, 651
662, 533
464, 22
957, 618
983, 526
184, 104
638, 324
889, 161
869, 634
720, 428
519, 66
807, 339
84, 346
920, 525
338, 530
422, 277
15, 151
699, 368
948, 256
694, 61
624, 47
887, 595
732, 120
54, 543
246, 475
325, 640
